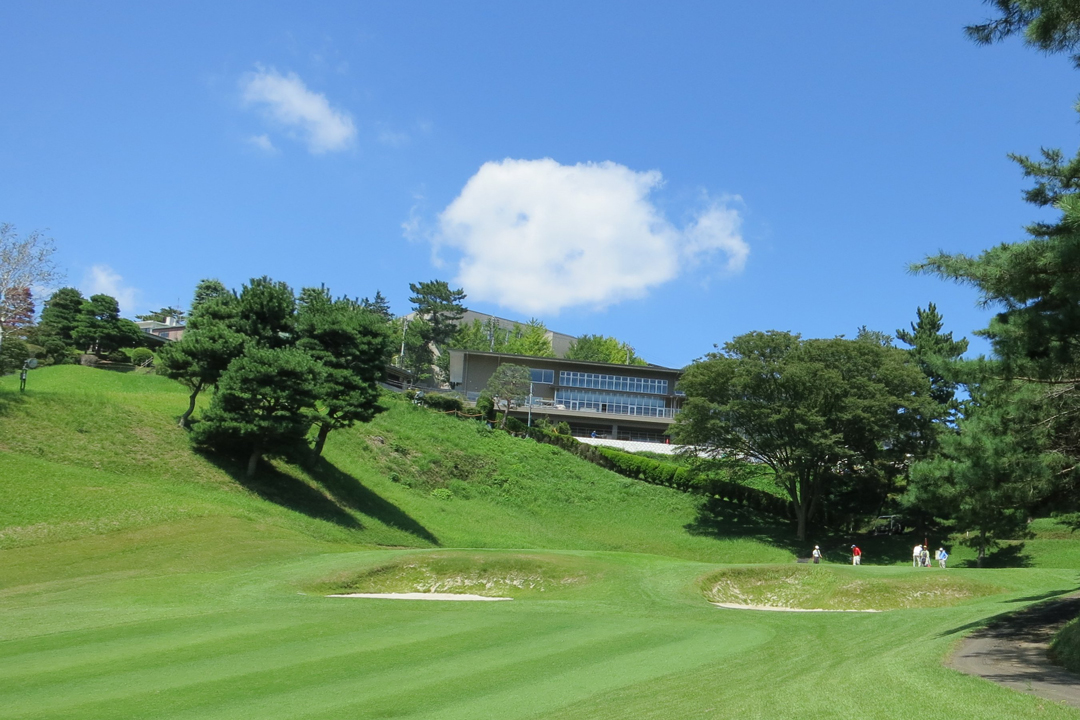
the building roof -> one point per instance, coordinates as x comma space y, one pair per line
563, 361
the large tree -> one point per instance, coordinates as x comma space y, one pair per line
209, 344
263, 404
441, 306
818, 412
986, 477
100, 329
25, 261
353, 345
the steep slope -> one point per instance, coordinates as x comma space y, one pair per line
86, 452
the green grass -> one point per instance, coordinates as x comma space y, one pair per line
141, 580
1065, 649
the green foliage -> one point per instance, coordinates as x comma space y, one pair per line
100, 329
509, 384
441, 307
1052, 26
443, 403
379, 305
141, 356
834, 419
163, 315
418, 358
601, 348
563, 428
352, 345
13, 353
934, 350
209, 344
1065, 648
262, 404
58, 318
266, 313
990, 474
207, 290
530, 340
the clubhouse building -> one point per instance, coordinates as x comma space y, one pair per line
620, 402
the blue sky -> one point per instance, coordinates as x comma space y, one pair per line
672, 174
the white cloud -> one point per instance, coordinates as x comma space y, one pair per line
103, 280
287, 101
393, 138
263, 143
536, 236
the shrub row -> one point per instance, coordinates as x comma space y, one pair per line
670, 475
667, 474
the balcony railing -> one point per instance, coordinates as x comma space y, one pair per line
589, 407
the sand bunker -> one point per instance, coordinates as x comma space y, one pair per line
420, 596
839, 588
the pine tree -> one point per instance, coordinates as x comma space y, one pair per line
380, 306
441, 307
352, 344
209, 344
263, 403
99, 327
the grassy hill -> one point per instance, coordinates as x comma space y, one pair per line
140, 579
104, 454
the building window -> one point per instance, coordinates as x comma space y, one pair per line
612, 403
542, 376
621, 383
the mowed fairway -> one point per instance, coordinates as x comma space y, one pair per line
165, 598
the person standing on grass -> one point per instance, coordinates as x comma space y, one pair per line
942, 556
916, 556
856, 555
926, 556
816, 554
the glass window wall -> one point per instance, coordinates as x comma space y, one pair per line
612, 403
542, 376
622, 383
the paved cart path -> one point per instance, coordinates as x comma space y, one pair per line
1012, 652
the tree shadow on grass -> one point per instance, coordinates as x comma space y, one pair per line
8, 401
728, 521
274, 486
343, 492
350, 492
1007, 556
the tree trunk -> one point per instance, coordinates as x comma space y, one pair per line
800, 513
253, 461
982, 550
191, 407
320, 441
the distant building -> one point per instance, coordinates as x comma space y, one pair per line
560, 342
621, 402
168, 330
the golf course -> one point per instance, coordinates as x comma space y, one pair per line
140, 578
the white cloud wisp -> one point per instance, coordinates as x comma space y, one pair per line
103, 280
287, 101
536, 236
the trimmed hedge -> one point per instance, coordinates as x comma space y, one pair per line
667, 474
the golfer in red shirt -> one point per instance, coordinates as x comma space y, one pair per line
856, 555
